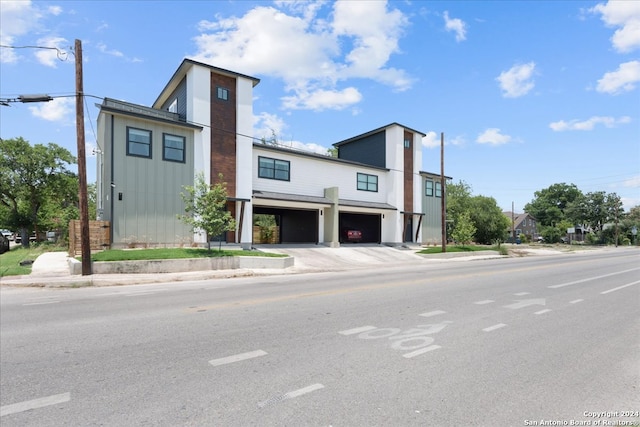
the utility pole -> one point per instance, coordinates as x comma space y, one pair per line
443, 209
85, 246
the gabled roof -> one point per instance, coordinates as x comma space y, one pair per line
182, 70
142, 112
373, 132
517, 217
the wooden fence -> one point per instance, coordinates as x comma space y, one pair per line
99, 236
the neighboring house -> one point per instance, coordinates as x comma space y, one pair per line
432, 198
201, 122
522, 224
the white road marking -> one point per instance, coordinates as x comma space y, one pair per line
421, 351
34, 404
41, 303
237, 358
526, 303
620, 287
575, 301
494, 327
357, 330
486, 301
562, 285
521, 294
291, 395
543, 311
432, 313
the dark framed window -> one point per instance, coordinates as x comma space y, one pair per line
407, 143
274, 169
173, 148
223, 93
428, 188
438, 189
138, 142
367, 182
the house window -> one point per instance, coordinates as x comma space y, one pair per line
367, 182
438, 189
138, 142
173, 107
273, 169
173, 148
407, 143
428, 189
223, 94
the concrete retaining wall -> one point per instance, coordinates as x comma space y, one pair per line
180, 265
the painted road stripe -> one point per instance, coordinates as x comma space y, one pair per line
543, 311
521, 294
620, 287
291, 395
34, 404
494, 327
237, 358
421, 351
432, 313
357, 330
485, 301
562, 285
575, 301
41, 303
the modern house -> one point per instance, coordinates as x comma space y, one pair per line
202, 122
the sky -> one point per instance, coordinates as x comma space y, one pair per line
526, 93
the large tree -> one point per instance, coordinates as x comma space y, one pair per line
491, 224
35, 184
552, 204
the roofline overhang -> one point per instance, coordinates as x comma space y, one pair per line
380, 129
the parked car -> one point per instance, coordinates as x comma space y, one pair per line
6, 233
352, 235
4, 243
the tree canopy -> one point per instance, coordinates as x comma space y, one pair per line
36, 186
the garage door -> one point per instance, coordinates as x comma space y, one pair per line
368, 224
294, 225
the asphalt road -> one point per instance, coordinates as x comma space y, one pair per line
503, 342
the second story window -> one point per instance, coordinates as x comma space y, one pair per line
273, 169
223, 94
428, 188
367, 182
173, 148
138, 142
407, 143
438, 189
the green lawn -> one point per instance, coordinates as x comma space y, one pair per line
172, 253
10, 261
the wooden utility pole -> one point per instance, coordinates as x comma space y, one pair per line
443, 208
85, 247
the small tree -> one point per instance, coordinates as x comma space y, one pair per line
205, 208
464, 229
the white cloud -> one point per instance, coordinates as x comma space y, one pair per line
588, 124
431, 140
633, 182
321, 99
19, 18
113, 52
457, 26
493, 136
517, 81
57, 110
626, 16
624, 79
356, 42
57, 52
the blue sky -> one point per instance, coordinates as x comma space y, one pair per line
527, 93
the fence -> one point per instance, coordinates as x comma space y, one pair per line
99, 236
